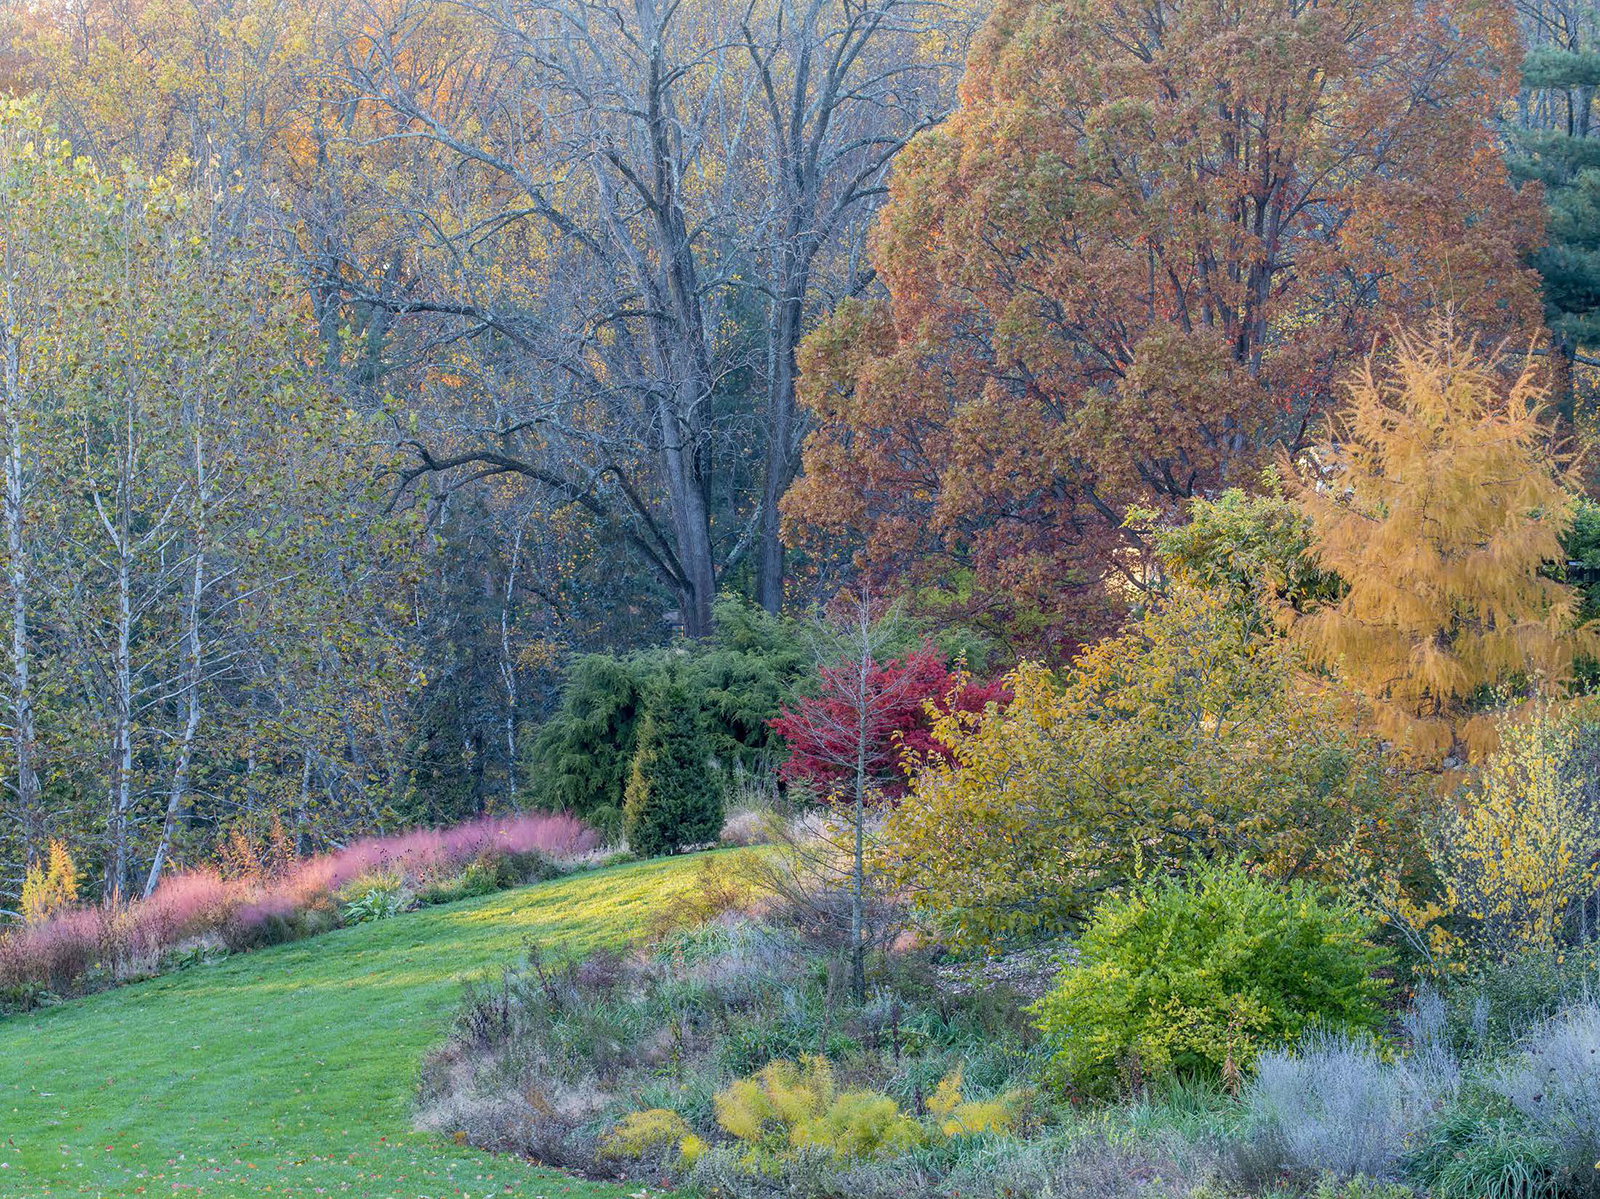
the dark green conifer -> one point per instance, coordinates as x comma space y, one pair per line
673, 801
1554, 144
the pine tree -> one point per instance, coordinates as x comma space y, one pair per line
673, 801
1555, 145
1440, 508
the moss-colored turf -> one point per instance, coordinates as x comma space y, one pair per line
290, 1071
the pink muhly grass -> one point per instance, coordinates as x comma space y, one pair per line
186, 905
419, 851
58, 953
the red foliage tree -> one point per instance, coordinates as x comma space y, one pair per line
1139, 257
878, 713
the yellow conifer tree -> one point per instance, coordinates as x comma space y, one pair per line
48, 890
1438, 504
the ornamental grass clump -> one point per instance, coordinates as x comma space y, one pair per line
72, 949
1334, 1105
1554, 1085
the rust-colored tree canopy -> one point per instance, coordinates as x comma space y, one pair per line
1138, 257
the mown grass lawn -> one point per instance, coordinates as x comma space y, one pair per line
290, 1071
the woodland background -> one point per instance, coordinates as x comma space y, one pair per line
515, 332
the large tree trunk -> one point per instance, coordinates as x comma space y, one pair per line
691, 521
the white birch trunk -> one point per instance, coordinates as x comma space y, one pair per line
17, 577
178, 791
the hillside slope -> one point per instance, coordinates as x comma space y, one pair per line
290, 1071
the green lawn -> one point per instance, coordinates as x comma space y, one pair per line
290, 1071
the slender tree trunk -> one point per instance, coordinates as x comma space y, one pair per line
780, 452
858, 889
302, 814
17, 569
121, 797
508, 669
178, 792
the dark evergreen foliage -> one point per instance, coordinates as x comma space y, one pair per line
581, 755
673, 800
736, 682
1555, 146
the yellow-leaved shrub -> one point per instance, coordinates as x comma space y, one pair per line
956, 1116
777, 1099
1516, 851
789, 1107
1189, 735
653, 1130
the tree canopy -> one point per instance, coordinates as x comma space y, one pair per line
1142, 253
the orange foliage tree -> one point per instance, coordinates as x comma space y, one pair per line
1439, 506
1138, 256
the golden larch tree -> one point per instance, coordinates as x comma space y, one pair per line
1439, 504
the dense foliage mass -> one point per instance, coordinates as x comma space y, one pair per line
1161, 759
1438, 507
1185, 735
887, 710
671, 802
1194, 976
1143, 252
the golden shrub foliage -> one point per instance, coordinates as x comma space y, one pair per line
49, 888
1183, 736
650, 1131
956, 1115
1438, 506
788, 1106
783, 1095
1521, 848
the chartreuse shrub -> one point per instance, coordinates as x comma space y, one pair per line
48, 889
1187, 735
1193, 975
654, 1131
787, 1106
957, 1116
790, 1108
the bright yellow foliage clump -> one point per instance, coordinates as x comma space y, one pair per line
860, 1124
1438, 506
1515, 852
791, 1105
957, 1116
781, 1096
1521, 848
654, 1129
48, 889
